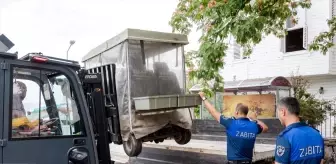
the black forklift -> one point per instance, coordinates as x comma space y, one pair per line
54, 111
48, 138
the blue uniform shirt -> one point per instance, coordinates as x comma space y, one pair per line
241, 135
299, 143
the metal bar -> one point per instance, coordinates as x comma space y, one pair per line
159, 54
183, 69
333, 124
112, 82
143, 52
109, 82
8, 55
330, 123
103, 82
325, 127
101, 70
277, 101
104, 149
129, 89
176, 54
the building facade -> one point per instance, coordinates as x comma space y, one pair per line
286, 56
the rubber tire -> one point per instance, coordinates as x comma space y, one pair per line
184, 137
132, 146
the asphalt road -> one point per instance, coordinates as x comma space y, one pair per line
164, 156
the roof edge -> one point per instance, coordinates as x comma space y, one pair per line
137, 34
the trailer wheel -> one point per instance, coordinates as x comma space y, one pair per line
132, 146
183, 137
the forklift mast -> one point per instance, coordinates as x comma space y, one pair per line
103, 110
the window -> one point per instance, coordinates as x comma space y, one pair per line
43, 105
294, 40
238, 53
297, 34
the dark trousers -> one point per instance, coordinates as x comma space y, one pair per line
77, 127
239, 162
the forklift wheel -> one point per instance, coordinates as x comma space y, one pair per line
132, 146
183, 137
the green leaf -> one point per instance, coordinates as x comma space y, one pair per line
246, 22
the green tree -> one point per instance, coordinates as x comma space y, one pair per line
191, 81
313, 110
246, 20
324, 41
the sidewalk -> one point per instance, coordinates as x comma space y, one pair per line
262, 151
118, 154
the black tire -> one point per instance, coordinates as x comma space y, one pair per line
132, 146
183, 137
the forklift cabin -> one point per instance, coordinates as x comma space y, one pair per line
78, 132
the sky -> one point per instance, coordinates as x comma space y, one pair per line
47, 26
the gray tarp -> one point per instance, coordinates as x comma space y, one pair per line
160, 73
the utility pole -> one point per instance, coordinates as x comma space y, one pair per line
72, 42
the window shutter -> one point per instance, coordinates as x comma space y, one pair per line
301, 17
282, 44
333, 13
236, 51
305, 37
333, 7
289, 23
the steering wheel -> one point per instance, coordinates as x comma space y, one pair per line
50, 122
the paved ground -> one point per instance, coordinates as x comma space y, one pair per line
196, 151
118, 154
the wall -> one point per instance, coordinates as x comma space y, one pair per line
267, 60
329, 86
333, 61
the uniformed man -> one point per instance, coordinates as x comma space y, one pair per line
298, 143
241, 132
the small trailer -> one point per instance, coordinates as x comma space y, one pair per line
150, 83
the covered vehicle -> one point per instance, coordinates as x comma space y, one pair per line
150, 85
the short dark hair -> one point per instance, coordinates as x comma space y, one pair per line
23, 89
292, 104
241, 108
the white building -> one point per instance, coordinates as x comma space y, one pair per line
281, 57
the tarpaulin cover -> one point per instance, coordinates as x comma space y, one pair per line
156, 69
